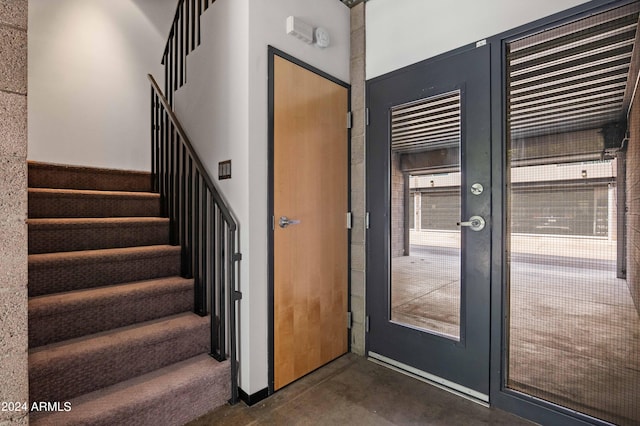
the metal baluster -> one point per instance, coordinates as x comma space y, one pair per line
201, 302
183, 210
199, 21
224, 264
153, 139
193, 25
181, 44
170, 67
175, 62
170, 177
174, 193
163, 166
215, 288
187, 27
189, 225
203, 246
233, 297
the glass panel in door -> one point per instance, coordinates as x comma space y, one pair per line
574, 331
425, 258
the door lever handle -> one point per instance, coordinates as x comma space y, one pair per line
476, 223
285, 221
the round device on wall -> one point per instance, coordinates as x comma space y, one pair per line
322, 37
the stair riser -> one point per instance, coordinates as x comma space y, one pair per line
67, 276
96, 316
54, 206
71, 376
72, 177
96, 237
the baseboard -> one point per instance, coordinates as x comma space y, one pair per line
253, 398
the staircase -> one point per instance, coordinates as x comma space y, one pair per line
111, 322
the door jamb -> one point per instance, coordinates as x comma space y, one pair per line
272, 53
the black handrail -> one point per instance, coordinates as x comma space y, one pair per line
184, 37
201, 223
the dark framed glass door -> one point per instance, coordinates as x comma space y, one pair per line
428, 200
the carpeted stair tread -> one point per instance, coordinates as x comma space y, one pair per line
60, 203
109, 316
61, 316
46, 175
171, 396
73, 234
67, 271
74, 367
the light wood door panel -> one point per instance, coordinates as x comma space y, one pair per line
310, 184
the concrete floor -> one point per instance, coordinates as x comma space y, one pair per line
574, 330
574, 341
354, 391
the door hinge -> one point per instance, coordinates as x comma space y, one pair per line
349, 320
367, 116
349, 224
366, 220
349, 119
366, 323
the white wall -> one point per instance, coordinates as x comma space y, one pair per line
213, 107
88, 91
224, 110
402, 32
267, 26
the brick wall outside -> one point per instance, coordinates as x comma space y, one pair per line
13, 208
397, 208
633, 203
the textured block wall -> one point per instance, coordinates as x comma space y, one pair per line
357, 178
633, 203
13, 208
398, 236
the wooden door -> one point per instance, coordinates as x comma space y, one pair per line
310, 185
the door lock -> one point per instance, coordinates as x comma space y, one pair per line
476, 223
285, 221
477, 188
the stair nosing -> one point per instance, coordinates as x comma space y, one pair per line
42, 224
105, 255
70, 193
